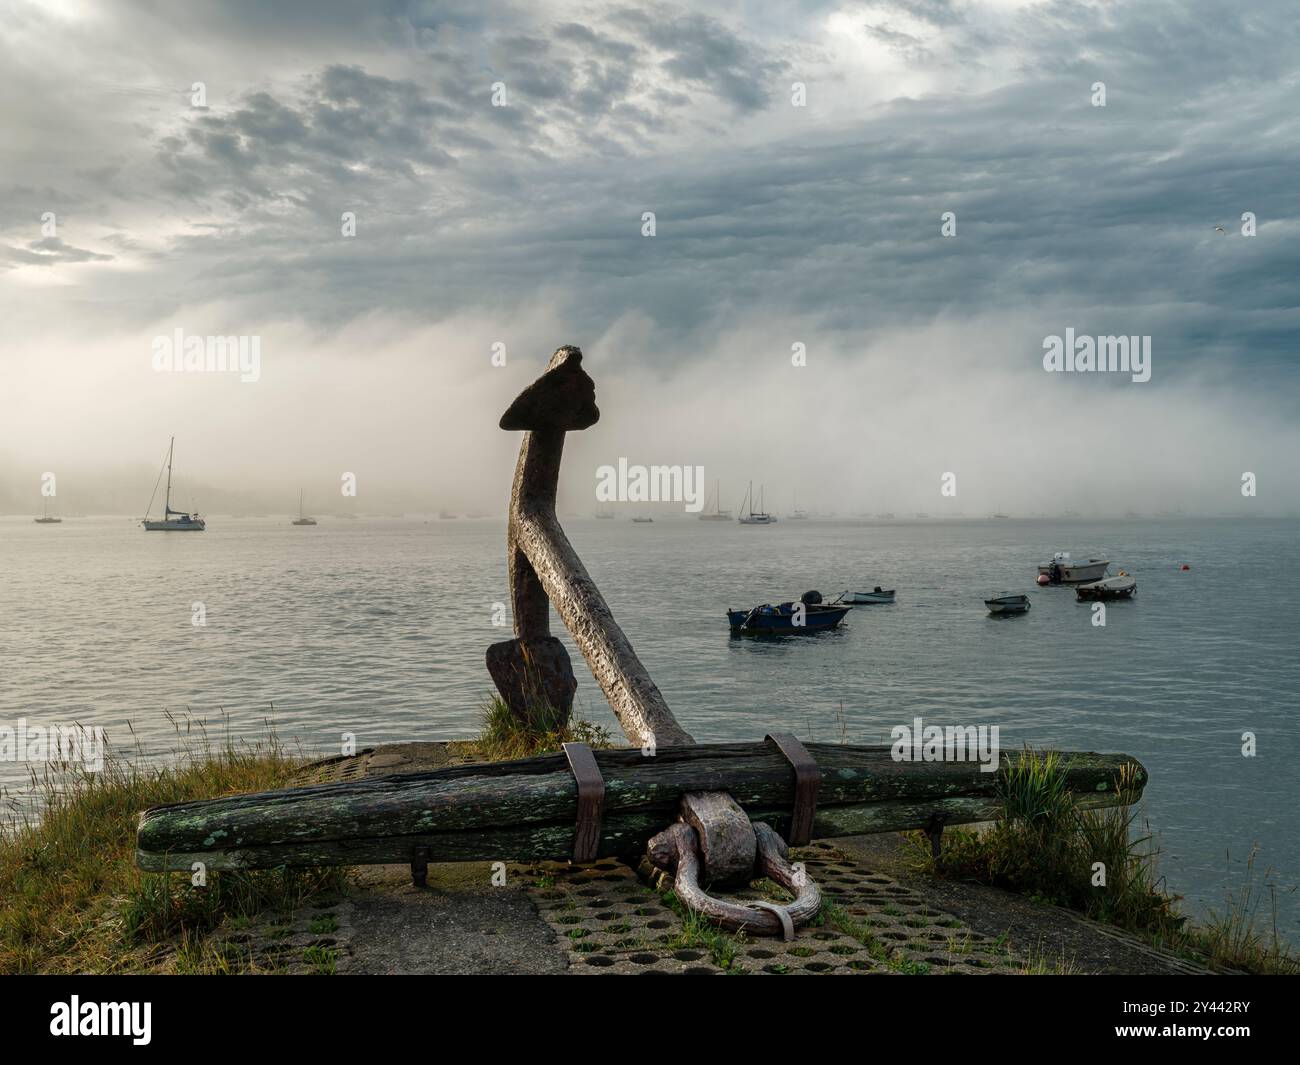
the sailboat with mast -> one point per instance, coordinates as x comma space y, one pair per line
717, 513
755, 517
172, 520
45, 518
303, 519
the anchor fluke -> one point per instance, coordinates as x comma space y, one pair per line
563, 398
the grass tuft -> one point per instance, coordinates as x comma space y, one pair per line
1095, 861
71, 898
541, 730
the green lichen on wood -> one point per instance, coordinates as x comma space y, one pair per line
525, 809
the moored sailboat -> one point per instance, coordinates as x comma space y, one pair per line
717, 513
303, 519
45, 518
755, 517
172, 520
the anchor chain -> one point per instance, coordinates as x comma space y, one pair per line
677, 850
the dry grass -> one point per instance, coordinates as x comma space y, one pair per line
71, 899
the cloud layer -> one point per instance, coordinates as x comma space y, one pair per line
775, 224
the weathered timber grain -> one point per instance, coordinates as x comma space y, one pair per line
527, 809
625, 835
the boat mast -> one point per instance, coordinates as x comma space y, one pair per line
167, 505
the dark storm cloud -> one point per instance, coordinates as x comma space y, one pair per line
775, 224
699, 50
830, 212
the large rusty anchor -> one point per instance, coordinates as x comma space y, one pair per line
714, 841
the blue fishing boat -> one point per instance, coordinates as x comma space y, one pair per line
807, 615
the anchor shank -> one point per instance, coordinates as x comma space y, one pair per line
545, 571
544, 568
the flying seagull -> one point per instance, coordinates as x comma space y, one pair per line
1220, 229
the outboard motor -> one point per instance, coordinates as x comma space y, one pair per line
811, 598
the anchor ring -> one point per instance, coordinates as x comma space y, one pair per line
677, 849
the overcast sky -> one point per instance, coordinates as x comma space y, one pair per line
775, 225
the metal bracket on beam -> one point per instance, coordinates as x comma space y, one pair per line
420, 866
591, 801
935, 831
807, 783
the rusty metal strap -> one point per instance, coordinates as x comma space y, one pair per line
807, 782
591, 801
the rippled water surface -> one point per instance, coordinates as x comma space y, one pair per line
378, 627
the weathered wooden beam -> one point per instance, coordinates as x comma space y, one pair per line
622, 836
526, 809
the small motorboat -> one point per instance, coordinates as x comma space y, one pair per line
643, 521
1060, 570
877, 595
810, 614
1006, 603
1119, 587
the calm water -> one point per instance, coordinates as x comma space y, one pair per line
378, 628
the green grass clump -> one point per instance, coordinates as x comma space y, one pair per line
71, 898
541, 729
1095, 861
699, 931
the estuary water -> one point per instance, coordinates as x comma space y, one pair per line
377, 627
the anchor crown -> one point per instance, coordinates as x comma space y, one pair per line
563, 398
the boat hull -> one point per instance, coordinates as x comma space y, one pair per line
1111, 588
782, 619
1008, 604
197, 525
862, 598
1076, 572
